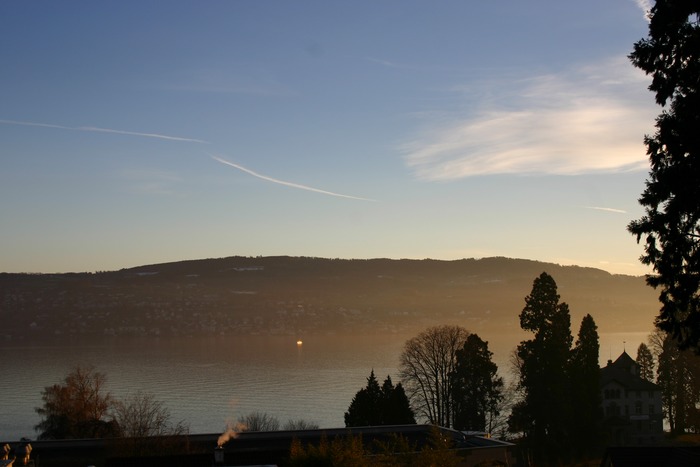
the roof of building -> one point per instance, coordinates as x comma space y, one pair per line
625, 371
625, 361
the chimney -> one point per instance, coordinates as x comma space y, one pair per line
219, 455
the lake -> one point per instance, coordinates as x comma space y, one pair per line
205, 382
209, 382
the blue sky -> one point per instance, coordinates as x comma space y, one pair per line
143, 132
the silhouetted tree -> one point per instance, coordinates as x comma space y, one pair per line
545, 415
300, 424
78, 408
645, 360
671, 224
363, 410
141, 415
427, 363
258, 421
679, 378
396, 408
374, 405
146, 429
585, 390
478, 390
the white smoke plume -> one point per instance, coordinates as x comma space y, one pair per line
230, 433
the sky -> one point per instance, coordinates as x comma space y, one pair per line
143, 132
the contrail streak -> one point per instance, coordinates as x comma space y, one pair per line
282, 182
104, 130
597, 208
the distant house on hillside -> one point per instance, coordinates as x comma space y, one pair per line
631, 405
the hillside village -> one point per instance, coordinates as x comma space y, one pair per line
288, 296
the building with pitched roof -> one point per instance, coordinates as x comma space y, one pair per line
632, 409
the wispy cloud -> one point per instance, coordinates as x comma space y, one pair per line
586, 120
599, 208
386, 63
285, 183
104, 130
645, 6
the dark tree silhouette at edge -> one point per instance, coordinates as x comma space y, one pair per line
671, 223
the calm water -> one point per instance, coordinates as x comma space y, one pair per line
210, 382
206, 382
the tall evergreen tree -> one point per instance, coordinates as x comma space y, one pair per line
645, 360
585, 390
678, 375
478, 390
671, 200
363, 408
544, 415
374, 405
396, 408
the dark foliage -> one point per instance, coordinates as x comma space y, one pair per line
478, 390
671, 224
645, 360
679, 379
81, 408
545, 414
78, 408
586, 401
374, 405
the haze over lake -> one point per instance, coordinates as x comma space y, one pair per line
187, 333
209, 382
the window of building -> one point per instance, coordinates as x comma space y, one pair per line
638, 408
651, 408
612, 409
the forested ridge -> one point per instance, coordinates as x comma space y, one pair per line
293, 295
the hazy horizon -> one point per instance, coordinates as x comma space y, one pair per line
133, 266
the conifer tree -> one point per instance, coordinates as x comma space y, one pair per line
478, 390
544, 415
671, 223
363, 408
396, 408
374, 405
645, 360
585, 390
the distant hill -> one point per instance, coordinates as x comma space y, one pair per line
295, 295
